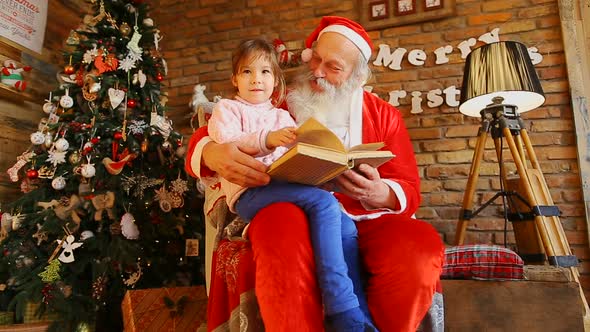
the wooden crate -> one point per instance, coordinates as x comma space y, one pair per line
528, 306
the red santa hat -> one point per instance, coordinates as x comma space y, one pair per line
346, 27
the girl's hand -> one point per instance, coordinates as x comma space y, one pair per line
281, 137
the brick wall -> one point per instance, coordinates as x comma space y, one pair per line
200, 35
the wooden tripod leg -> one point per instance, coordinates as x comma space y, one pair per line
530, 196
471, 186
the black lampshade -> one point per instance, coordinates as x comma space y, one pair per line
501, 69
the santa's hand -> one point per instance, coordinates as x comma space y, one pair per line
281, 137
365, 184
235, 164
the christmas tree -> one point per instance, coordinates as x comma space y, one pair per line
106, 205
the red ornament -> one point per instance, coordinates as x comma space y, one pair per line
95, 140
159, 77
131, 103
32, 173
69, 70
117, 135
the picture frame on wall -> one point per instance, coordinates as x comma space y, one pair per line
378, 14
433, 4
404, 7
378, 10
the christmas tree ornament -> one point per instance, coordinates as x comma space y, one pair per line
131, 103
134, 277
88, 170
69, 245
139, 78
128, 227
90, 55
56, 157
127, 63
51, 272
16, 221
49, 107
69, 69
144, 145
73, 39
115, 167
105, 62
48, 141
99, 287
40, 235
133, 44
179, 185
58, 183
66, 101
125, 29
148, 22
74, 157
159, 77
104, 203
32, 173
61, 144
118, 135
21, 161
37, 138
176, 199
46, 172
85, 235
6, 221
116, 96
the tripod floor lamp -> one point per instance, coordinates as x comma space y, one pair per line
500, 83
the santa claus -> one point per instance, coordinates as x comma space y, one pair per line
402, 256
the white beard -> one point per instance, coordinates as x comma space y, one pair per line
331, 106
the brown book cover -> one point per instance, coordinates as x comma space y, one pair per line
318, 156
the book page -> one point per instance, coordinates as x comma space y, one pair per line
314, 133
367, 147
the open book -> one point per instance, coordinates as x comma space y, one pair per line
318, 156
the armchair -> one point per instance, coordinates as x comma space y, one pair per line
233, 305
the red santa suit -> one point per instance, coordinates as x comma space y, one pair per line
402, 256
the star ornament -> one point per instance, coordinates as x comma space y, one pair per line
40, 235
56, 157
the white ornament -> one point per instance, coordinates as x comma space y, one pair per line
116, 96
48, 140
126, 64
48, 107
128, 227
37, 138
56, 157
58, 183
133, 44
66, 101
148, 22
85, 235
88, 170
198, 96
67, 255
94, 87
139, 78
7, 221
62, 144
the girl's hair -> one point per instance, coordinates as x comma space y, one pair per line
252, 49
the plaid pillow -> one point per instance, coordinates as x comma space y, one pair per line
482, 262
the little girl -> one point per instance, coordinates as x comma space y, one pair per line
252, 120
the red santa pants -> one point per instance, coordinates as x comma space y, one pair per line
403, 258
